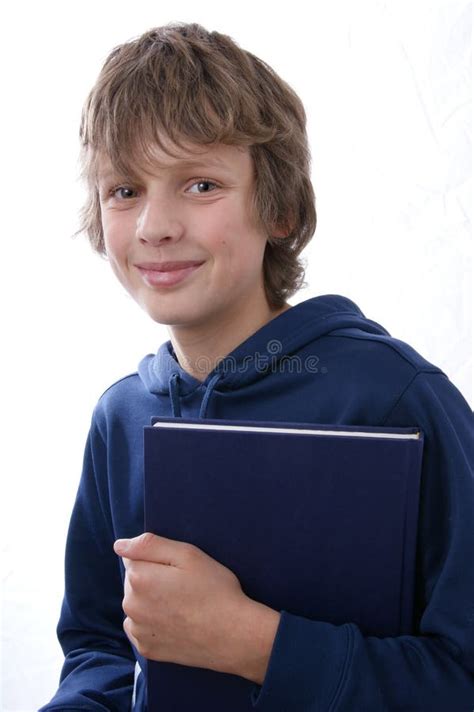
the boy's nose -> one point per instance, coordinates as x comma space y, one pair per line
158, 222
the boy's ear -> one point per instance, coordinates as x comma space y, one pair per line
280, 232
284, 228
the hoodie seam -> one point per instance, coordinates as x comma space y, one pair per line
106, 511
332, 707
408, 385
115, 383
393, 347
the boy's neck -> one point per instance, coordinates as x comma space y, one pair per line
199, 350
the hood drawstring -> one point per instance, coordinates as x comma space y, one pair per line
174, 395
207, 394
173, 385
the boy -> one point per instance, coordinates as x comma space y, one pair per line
196, 158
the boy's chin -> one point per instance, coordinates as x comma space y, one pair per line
176, 317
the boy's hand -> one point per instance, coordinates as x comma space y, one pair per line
182, 606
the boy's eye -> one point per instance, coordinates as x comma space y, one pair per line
203, 186
122, 191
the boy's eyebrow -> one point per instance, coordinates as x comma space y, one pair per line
180, 163
200, 162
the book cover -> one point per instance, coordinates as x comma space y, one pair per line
316, 520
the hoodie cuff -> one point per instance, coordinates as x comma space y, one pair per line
307, 665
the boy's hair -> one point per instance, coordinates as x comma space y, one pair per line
186, 84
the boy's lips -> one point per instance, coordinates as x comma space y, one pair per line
168, 266
166, 274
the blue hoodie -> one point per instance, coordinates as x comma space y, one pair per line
351, 372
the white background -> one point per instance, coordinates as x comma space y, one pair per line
387, 88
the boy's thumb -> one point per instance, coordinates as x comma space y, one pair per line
121, 546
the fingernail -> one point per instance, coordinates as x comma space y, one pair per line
121, 546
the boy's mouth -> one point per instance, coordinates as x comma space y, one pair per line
166, 274
168, 266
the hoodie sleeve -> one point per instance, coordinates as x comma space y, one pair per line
319, 667
98, 670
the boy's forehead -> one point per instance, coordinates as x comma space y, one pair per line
222, 156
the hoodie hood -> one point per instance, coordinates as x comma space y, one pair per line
283, 336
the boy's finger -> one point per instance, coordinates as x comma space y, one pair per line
150, 547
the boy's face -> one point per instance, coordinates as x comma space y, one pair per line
192, 212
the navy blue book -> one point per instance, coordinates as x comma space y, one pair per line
316, 520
